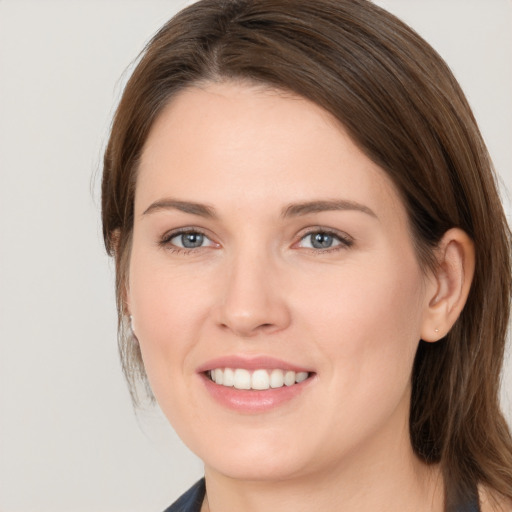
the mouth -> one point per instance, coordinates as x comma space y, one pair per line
253, 385
260, 379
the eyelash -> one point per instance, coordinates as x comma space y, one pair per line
345, 241
165, 241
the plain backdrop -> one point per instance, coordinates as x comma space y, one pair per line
69, 439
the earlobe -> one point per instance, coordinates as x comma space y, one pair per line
449, 285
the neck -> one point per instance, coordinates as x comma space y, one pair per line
387, 478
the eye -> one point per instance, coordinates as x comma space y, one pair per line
324, 240
186, 240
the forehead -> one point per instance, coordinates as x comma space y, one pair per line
240, 145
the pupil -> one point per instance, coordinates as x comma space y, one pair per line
321, 241
191, 240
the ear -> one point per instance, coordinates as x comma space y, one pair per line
448, 287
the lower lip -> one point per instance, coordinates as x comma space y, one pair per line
251, 401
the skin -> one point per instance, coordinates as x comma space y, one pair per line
353, 313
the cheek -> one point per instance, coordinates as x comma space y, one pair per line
166, 306
162, 294
368, 321
378, 294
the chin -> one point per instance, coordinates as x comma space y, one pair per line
254, 455
261, 469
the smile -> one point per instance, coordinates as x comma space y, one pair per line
259, 379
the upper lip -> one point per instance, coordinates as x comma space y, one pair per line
250, 363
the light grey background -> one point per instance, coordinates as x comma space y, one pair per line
69, 440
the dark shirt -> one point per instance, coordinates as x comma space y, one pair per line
192, 500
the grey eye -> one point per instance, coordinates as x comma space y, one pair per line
190, 240
321, 240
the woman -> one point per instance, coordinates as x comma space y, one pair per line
313, 273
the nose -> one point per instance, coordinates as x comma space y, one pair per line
253, 298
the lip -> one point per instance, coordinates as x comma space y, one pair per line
252, 401
251, 363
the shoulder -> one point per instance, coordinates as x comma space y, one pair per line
490, 501
191, 501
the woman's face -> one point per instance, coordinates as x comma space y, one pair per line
266, 243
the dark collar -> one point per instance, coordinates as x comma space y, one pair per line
191, 501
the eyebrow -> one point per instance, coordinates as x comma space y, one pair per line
291, 210
298, 209
202, 210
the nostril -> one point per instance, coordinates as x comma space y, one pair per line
249, 330
248, 312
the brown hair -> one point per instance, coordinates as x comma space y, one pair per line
403, 107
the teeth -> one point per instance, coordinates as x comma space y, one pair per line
289, 378
240, 378
229, 377
260, 380
299, 377
218, 376
276, 379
